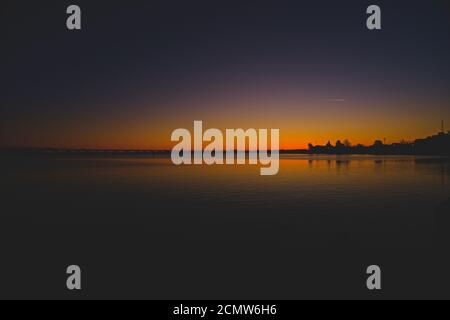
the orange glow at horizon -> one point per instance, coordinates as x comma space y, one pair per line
316, 124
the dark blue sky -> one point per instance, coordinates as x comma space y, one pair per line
140, 54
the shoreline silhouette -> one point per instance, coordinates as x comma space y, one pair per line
435, 145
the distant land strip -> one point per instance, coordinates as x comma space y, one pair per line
436, 145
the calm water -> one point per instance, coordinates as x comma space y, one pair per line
336, 193
318, 208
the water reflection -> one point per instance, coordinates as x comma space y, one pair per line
322, 192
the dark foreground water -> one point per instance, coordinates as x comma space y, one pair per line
141, 227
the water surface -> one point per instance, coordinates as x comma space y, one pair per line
213, 231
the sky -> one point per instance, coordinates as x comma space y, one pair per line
140, 69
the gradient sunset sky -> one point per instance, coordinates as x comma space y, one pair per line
140, 69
